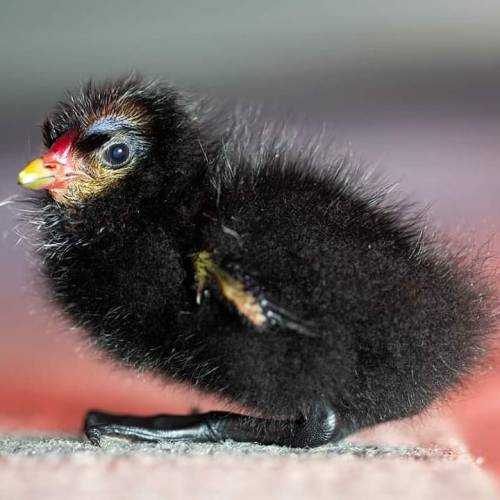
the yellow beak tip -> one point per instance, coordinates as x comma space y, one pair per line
35, 175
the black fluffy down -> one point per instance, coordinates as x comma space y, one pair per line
400, 319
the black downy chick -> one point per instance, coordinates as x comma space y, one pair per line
251, 274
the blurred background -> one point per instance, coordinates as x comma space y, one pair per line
410, 87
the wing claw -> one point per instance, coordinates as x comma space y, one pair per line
245, 297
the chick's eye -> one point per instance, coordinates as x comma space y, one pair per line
116, 155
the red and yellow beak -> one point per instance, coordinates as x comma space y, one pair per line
54, 170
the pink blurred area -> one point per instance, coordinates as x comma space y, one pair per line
49, 379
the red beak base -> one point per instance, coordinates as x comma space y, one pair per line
54, 168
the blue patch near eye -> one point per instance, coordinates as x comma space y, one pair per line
106, 125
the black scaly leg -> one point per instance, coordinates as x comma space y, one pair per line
320, 427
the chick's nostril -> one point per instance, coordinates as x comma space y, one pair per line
51, 165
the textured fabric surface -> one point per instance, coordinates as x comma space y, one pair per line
371, 465
70, 447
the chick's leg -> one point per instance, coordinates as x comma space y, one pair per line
321, 426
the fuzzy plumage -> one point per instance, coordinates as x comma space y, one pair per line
397, 320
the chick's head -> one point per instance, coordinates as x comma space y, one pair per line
105, 134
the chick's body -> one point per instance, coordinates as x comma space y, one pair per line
343, 301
